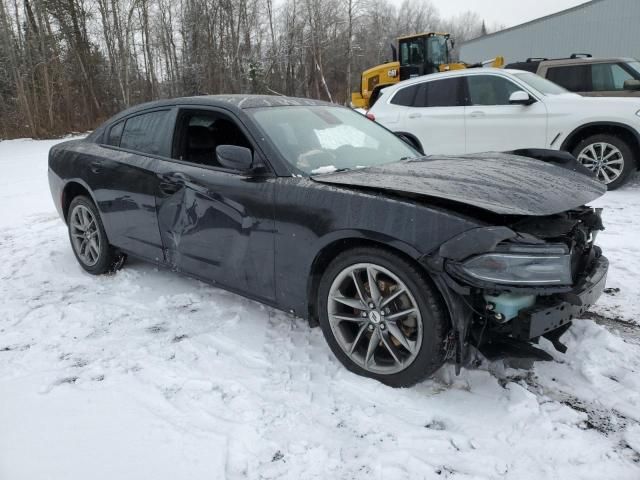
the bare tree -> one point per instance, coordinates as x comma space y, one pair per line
66, 65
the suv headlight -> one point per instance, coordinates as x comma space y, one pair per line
521, 266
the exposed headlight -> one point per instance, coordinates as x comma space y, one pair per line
521, 268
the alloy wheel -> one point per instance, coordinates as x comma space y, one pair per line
604, 159
374, 318
85, 236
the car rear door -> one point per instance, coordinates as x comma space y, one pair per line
435, 114
493, 124
215, 223
124, 181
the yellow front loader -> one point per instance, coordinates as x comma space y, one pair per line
417, 55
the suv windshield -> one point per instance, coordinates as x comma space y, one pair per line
324, 139
542, 85
635, 66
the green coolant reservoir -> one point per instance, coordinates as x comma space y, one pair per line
509, 304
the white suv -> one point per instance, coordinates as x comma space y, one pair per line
479, 110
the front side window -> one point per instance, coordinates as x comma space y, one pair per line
146, 133
490, 90
575, 78
322, 139
608, 77
200, 132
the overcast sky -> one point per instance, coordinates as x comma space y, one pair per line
504, 12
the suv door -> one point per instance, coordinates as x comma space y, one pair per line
124, 180
493, 124
216, 224
435, 114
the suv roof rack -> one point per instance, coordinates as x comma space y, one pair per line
580, 55
531, 64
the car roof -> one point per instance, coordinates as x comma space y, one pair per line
585, 60
455, 73
230, 101
532, 64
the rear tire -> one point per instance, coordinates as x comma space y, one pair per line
609, 157
354, 330
89, 239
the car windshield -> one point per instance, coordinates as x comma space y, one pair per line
635, 66
542, 85
325, 139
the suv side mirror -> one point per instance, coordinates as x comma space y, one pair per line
632, 85
234, 157
520, 97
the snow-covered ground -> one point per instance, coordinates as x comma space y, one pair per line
145, 374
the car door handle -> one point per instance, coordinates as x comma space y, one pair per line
477, 114
96, 167
415, 115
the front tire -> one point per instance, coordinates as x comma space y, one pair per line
89, 239
608, 157
381, 317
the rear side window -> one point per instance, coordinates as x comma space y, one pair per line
146, 133
440, 93
575, 78
405, 96
490, 90
114, 134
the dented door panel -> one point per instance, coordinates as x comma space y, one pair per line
217, 226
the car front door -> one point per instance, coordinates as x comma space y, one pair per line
493, 124
216, 223
124, 180
435, 114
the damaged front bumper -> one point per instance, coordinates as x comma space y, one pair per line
556, 311
486, 313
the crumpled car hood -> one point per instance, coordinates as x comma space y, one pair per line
497, 182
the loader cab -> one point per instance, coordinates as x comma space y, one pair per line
422, 54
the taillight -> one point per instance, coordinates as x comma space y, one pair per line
370, 116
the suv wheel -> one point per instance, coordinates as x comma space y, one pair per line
381, 317
608, 157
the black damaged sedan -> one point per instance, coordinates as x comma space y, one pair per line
404, 261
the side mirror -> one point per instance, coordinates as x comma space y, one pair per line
409, 141
520, 98
632, 85
234, 157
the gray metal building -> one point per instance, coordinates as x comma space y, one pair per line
603, 28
